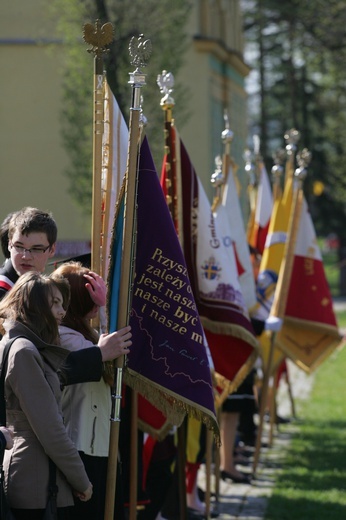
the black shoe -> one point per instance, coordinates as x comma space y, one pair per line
244, 479
193, 514
282, 420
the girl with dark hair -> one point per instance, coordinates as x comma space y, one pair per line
32, 311
87, 406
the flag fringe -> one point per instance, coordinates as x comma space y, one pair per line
230, 329
157, 434
173, 406
336, 343
328, 338
313, 326
227, 386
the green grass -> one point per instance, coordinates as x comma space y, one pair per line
313, 480
341, 319
331, 268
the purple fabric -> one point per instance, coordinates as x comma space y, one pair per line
168, 347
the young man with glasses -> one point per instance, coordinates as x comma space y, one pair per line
32, 236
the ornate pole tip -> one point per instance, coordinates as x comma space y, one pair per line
166, 83
217, 178
227, 134
250, 168
140, 51
98, 36
291, 137
303, 159
256, 144
279, 158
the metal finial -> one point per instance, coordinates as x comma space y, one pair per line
291, 136
256, 144
140, 51
227, 134
98, 37
217, 178
249, 167
166, 83
303, 159
279, 158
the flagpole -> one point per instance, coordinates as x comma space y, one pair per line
134, 415
291, 137
272, 407
208, 463
133, 456
252, 195
140, 51
166, 83
217, 180
217, 467
107, 163
98, 37
254, 176
219, 177
277, 171
281, 291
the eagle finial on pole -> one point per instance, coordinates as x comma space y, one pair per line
98, 36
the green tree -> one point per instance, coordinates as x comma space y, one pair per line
164, 24
299, 54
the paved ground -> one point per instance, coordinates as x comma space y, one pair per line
248, 502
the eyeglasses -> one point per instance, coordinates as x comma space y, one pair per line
34, 251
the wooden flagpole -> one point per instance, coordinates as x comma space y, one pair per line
133, 456
134, 414
272, 408
208, 464
140, 51
281, 292
277, 171
218, 179
98, 37
291, 137
106, 185
166, 83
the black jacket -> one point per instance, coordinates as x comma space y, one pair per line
8, 277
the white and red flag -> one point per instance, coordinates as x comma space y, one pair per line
229, 218
263, 211
310, 332
213, 273
114, 159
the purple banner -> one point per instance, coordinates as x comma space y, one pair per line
168, 361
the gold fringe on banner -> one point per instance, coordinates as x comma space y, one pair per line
174, 407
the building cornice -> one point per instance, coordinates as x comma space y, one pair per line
217, 49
